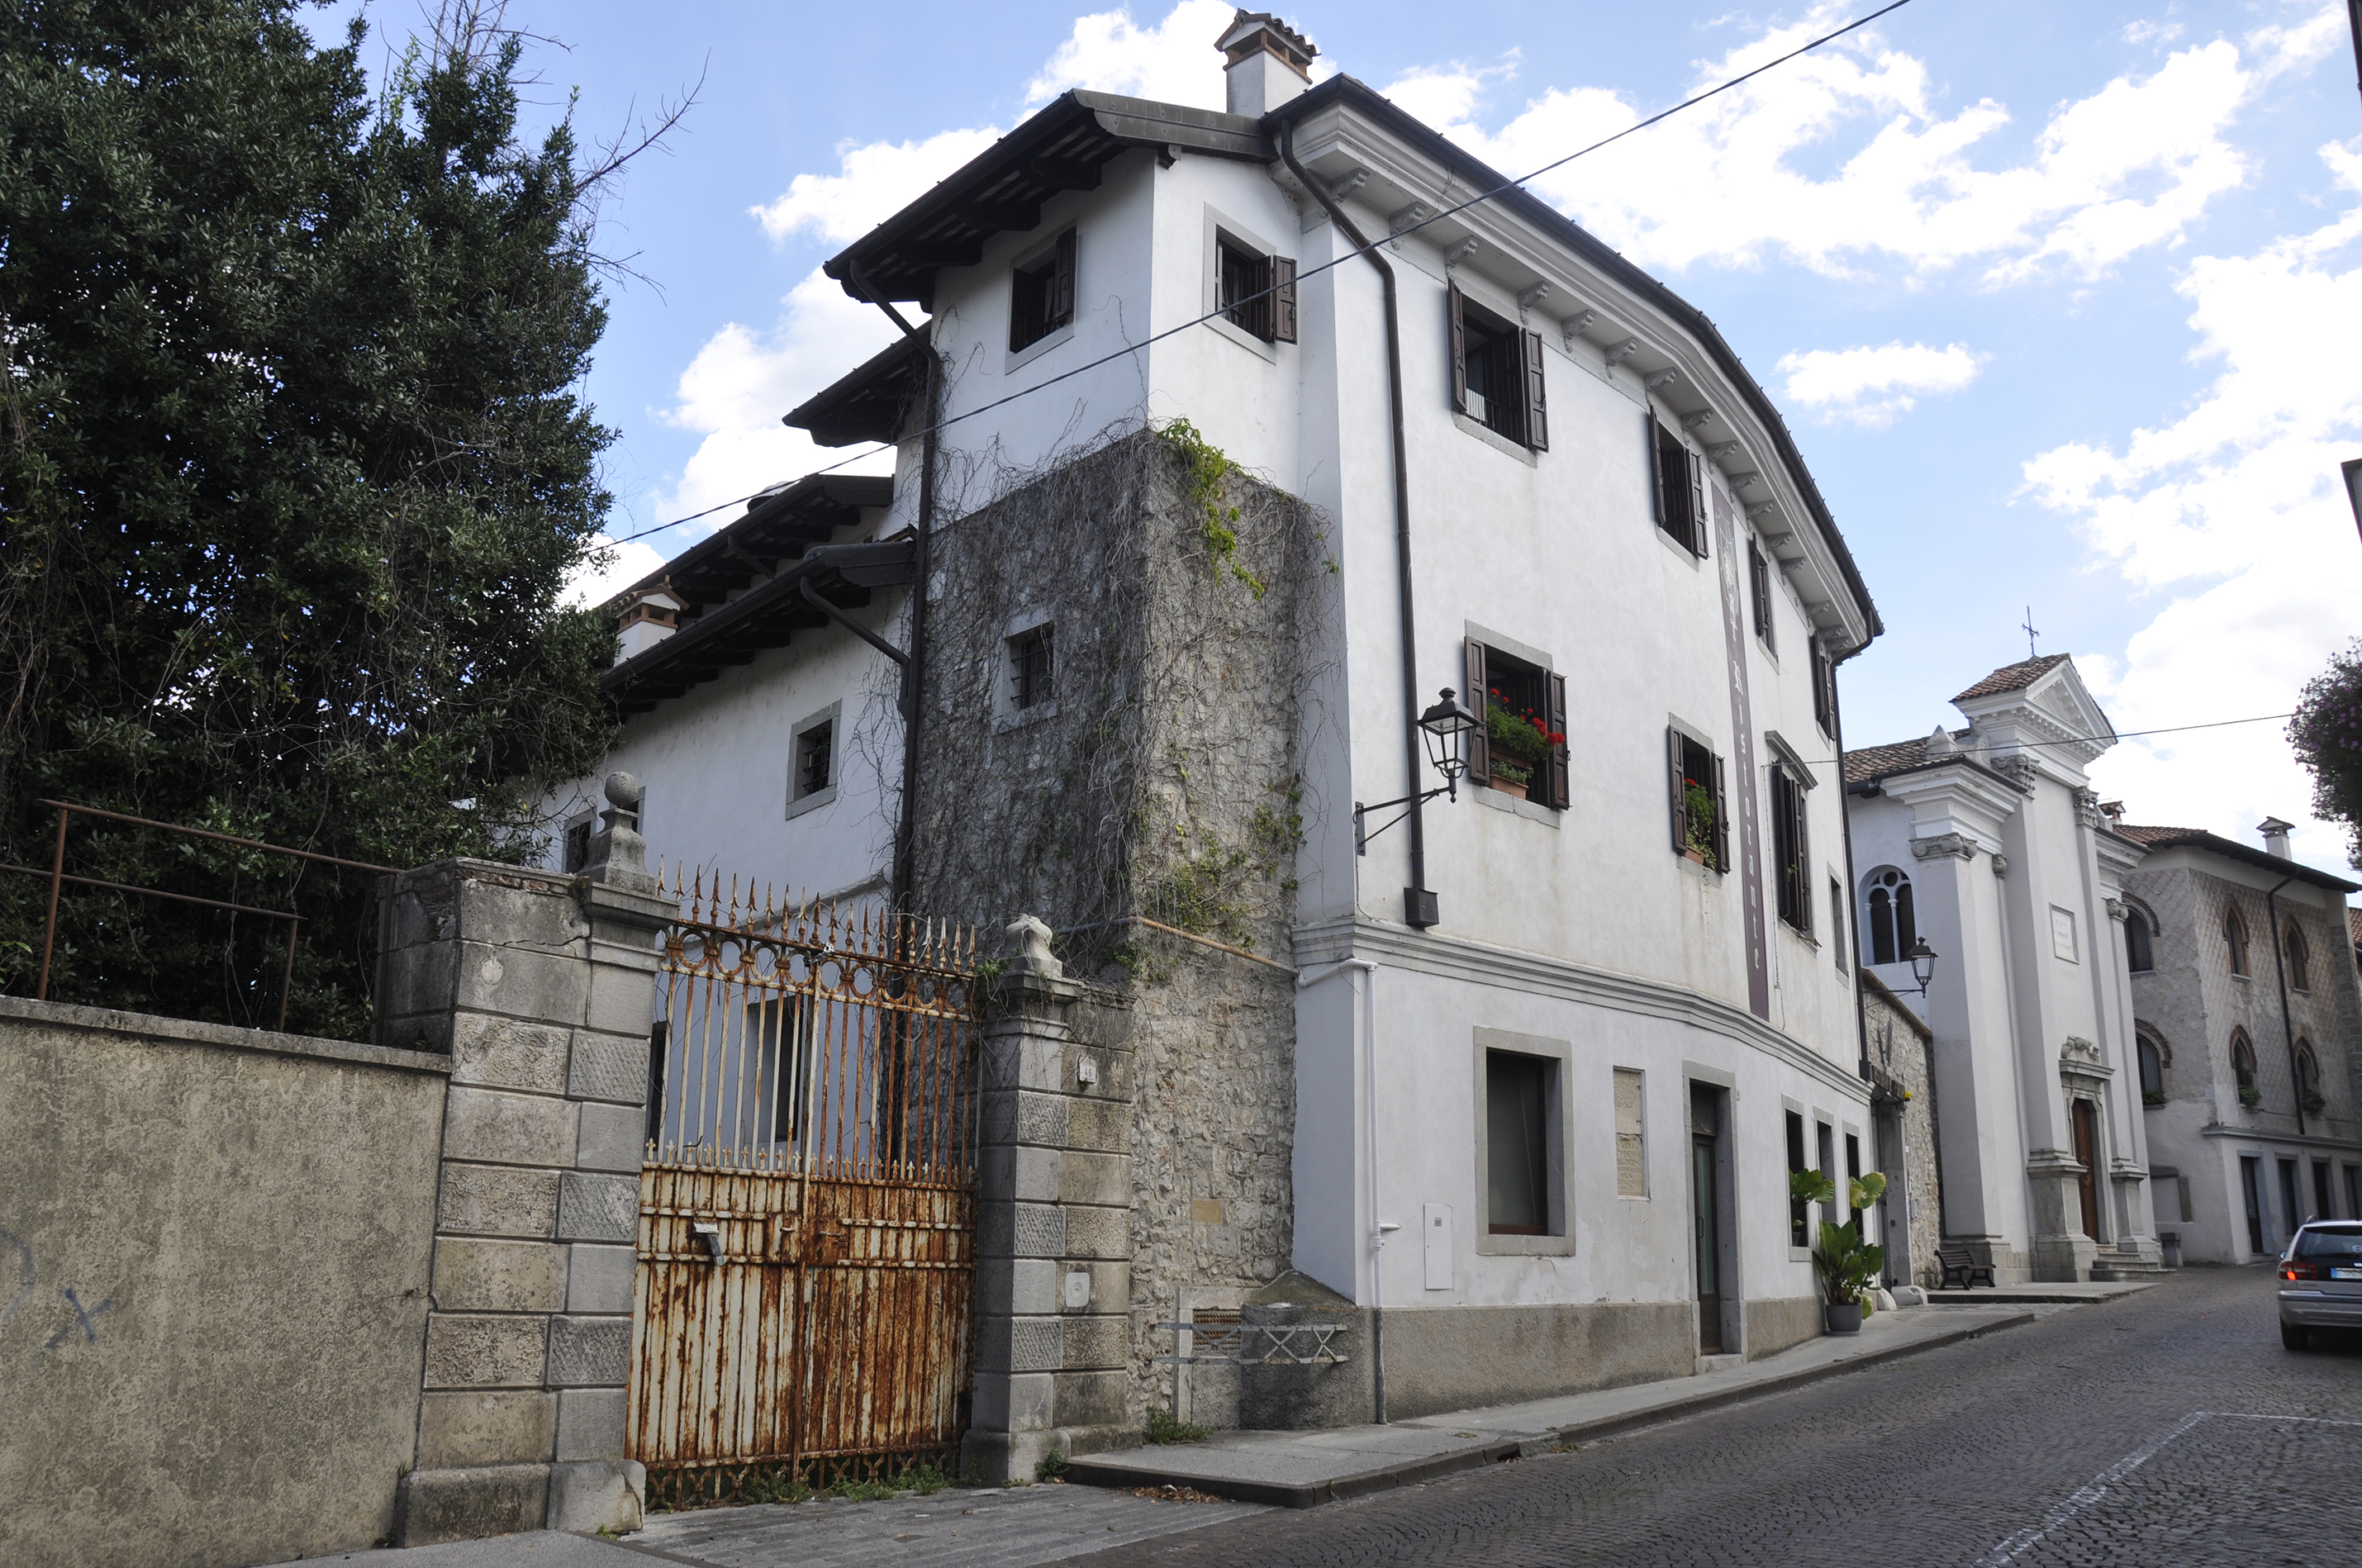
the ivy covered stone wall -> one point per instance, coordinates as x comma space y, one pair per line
1156, 786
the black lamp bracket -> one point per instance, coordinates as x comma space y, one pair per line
1362, 835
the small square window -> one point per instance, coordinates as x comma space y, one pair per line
1042, 294
1030, 667
815, 758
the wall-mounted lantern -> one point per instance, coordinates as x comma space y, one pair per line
1446, 728
1923, 963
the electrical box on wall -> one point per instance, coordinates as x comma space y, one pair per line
1435, 1234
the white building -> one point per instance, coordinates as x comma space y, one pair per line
1568, 1032
1989, 843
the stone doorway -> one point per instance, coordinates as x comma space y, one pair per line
2086, 1120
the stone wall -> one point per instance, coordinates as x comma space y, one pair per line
215, 1255
539, 989
1903, 1088
1158, 781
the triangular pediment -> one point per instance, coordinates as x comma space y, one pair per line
2048, 700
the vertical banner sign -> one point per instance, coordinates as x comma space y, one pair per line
1742, 748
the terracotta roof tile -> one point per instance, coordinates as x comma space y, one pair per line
2014, 676
2231, 849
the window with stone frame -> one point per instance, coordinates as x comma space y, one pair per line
2308, 1078
1254, 292
1498, 376
1889, 923
2300, 967
1791, 850
815, 758
1800, 1234
1759, 584
1676, 486
1042, 294
1824, 689
1837, 923
1701, 824
2243, 1069
1520, 1103
2234, 940
1031, 667
2152, 1069
1520, 745
2140, 953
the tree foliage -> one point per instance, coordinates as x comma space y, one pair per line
2326, 732
293, 470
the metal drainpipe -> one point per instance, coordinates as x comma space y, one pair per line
2288, 1024
914, 670
1402, 512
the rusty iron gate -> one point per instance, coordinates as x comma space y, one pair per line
803, 1308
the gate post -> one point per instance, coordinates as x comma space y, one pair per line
1054, 1226
539, 987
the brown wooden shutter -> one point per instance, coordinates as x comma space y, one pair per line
1479, 696
1282, 298
1656, 475
1537, 395
1681, 807
1556, 771
1062, 284
1459, 350
1721, 822
1697, 501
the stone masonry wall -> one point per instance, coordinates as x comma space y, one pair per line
1159, 780
1901, 1058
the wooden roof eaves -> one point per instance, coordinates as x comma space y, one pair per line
824, 502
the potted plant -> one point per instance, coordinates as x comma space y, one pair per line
1520, 744
1847, 1266
2315, 1102
2249, 1095
1697, 819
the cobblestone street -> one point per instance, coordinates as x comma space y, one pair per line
2170, 1428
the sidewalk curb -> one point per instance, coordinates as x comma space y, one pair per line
1098, 1470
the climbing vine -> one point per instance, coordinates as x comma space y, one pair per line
1207, 469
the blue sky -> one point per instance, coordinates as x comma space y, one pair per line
2064, 303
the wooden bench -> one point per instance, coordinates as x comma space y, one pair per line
1962, 1263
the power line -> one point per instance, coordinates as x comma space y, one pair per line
2095, 740
1352, 254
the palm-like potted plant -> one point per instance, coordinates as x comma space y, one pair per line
1847, 1266
1697, 819
1520, 744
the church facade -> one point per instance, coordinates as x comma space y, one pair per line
1988, 844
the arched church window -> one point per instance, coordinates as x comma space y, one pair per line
2139, 956
2299, 975
1890, 924
2152, 1072
2243, 1067
2308, 1078
2235, 938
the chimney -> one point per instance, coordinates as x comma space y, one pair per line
1266, 60
2275, 833
647, 618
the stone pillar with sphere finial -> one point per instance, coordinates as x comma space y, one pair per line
540, 986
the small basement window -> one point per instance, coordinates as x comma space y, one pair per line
1031, 671
1254, 292
1676, 487
1042, 294
1701, 824
1497, 378
1521, 749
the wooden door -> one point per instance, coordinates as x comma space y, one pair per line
1709, 1243
2087, 1155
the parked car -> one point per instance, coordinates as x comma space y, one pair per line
2320, 1280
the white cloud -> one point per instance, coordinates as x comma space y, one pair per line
872, 182
2234, 509
742, 381
1870, 387
626, 564
2132, 166
1174, 62
2152, 32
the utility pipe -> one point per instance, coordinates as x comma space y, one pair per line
1366, 1011
1413, 898
2288, 1024
915, 671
